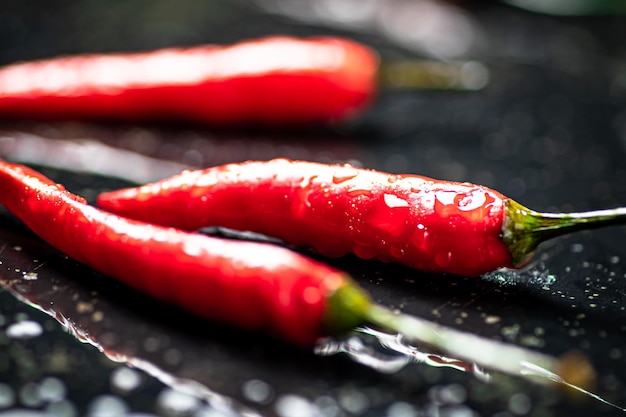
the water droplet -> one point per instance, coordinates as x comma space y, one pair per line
391, 179
353, 401
107, 406
358, 192
397, 251
393, 201
125, 380
62, 408
327, 407
344, 175
25, 329
52, 389
492, 319
520, 404
448, 394
30, 276
470, 201
175, 403
577, 248
401, 409
30, 395
294, 405
7, 396
257, 391
84, 307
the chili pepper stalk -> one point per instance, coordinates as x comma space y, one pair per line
524, 229
350, 304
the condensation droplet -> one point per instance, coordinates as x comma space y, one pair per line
520, 404
25, 329
176, 403
257, 391
357, 192
125, 380
401, 409
52, 389
62, 408
327, 406
30, 396
576, 248
448, 394
7, 396
30, 276
344, 176
393, 201
353, 401
294, 405
107, 406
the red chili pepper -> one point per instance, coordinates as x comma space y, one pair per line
249, 285
431, 225
275, 80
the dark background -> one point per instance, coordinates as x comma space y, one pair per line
549, 130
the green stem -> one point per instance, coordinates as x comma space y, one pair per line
488, 353
525, 229
349, 307
433, 75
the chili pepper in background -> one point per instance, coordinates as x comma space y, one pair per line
245, 284
431, 225
273, 80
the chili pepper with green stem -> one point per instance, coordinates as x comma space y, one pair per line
244, 284
432, 225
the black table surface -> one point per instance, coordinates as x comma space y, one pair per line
549, 130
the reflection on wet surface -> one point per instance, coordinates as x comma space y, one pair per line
187, 364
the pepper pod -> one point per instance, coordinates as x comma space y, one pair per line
430, 225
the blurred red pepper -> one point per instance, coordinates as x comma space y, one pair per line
274, 80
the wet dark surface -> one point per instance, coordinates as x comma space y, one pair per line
549, 131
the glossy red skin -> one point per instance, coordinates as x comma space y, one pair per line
250, 285
276, 80
434, 226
